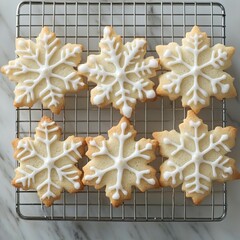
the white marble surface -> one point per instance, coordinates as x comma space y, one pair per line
11, 227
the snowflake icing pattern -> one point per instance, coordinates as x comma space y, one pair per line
196, 70
44, 71
118, 163
42, 157
120, 72
194, 147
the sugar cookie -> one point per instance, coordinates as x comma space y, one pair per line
120, 72
120, 163
196, 70
196, 157
44, 71
47, 164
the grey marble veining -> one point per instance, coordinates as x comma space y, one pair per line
11, 227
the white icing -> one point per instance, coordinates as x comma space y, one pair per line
115, 74
28, 151
195, 183
120, 162
22, 43
44, 71
106, 32
167, 53
196, 93
153, 63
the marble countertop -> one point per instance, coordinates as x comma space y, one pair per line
12, 227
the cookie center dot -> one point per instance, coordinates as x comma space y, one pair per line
45, 72
120, 73
196, 70
197, 157
49, 162
121, 163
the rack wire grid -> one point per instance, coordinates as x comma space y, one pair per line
159, 23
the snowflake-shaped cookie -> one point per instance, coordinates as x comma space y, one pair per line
196, 70
196, 157
120, 72
120, 163
47, 164
44, 70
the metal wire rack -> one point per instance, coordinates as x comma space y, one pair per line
159, 23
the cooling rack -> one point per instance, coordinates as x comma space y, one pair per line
159, 23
